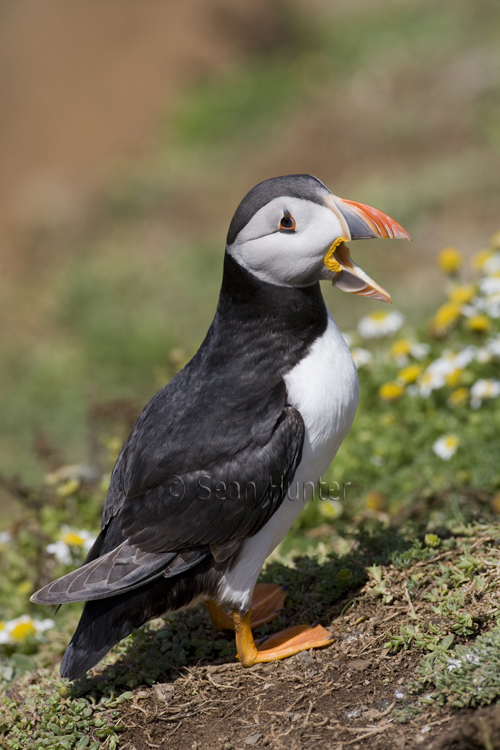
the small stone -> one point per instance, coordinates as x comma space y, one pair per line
253, 739
359, 664
141, 695
272, 667
371, 715
163, 692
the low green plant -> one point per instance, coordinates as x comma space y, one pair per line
467, 676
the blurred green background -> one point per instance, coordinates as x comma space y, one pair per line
129, 132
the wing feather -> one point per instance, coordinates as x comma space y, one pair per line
123, 569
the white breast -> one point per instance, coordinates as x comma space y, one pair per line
323, 387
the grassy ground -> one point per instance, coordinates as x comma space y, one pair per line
417, 633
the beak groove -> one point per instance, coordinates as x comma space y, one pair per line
362, 222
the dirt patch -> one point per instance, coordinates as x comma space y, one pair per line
342, 697
356, 693
313, 699
478, 730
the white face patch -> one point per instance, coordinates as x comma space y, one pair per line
287, 258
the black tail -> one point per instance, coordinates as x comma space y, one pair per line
104, 622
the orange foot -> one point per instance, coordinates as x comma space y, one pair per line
267, 600
280, 645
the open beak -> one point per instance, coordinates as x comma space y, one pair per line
358, 222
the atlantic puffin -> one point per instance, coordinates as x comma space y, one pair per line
221, 460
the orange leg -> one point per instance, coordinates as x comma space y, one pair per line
267, 600
279, 646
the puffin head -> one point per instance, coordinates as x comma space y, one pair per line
291, 231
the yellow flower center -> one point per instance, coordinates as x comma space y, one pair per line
453, 378
331, 509
462, 294
480, 258
391, 391
374, 501
450, 260
410, 374
400, 348
446, 316
458, 397
451, 441
479, 323
379, 315
23, 630
72, 539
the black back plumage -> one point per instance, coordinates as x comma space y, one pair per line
168, 530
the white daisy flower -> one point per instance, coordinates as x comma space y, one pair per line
469, 311
483, 355
419, 351
402, 350
493, 347
484, 305
361, 357
491, 306
380, 324
61, 551
465, 357
5, 537
443, 365
430, 380
69, 542
483, 389
491, 265
446, 446
21, 628
490, 285
434, 377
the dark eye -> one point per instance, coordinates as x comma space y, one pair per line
287, 223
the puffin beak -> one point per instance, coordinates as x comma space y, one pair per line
358, 222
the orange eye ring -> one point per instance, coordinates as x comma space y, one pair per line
287, 223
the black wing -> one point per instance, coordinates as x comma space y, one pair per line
208, 458
203, 468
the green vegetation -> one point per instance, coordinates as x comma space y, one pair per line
470, 676
429, 415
